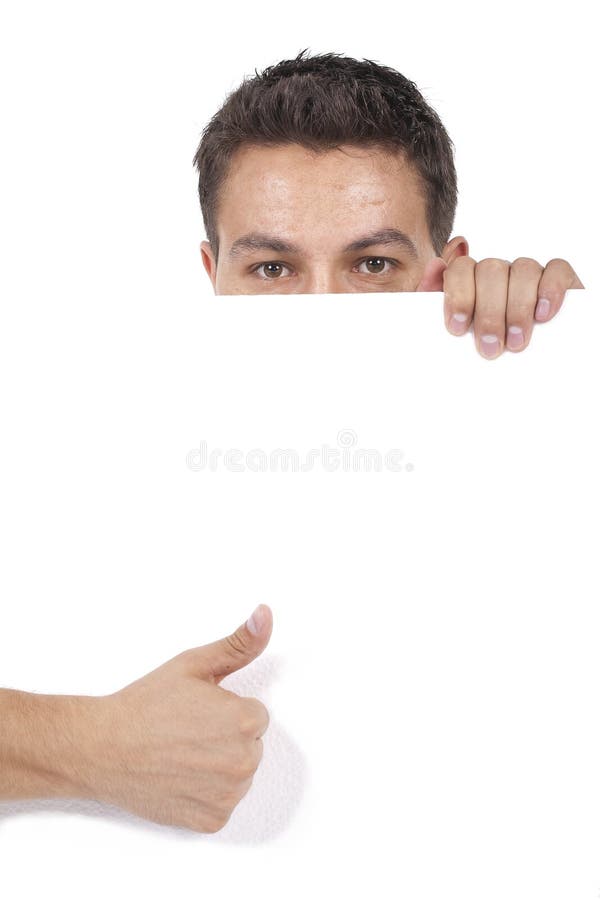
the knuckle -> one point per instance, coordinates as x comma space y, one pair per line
263, 717
243, 789
527, 262
214, 824
251, 715
227, 800
244, 769
202, 818
203, 824
186, 657
236, 643
493, 264
240, 765
463, 262
244, 727
246, 724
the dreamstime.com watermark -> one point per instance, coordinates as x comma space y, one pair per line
345, 456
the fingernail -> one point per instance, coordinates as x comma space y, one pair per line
542, 309
490, 345
254, 623
514, 338
457, 322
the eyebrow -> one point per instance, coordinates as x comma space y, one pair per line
257, 240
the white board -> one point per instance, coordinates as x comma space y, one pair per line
433, 677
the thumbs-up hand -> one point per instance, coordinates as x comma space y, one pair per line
175, 747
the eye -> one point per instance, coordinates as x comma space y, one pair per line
274, 267
378, 262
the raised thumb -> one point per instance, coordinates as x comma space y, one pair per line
214, 661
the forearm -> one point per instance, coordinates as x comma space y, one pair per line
43, 745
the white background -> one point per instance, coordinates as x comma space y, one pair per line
113, 563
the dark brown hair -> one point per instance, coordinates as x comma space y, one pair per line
322, 102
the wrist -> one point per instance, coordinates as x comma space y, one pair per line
46, 744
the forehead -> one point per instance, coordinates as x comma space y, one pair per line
299, 191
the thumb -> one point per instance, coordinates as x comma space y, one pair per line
433, 276
214, 661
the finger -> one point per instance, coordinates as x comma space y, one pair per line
255, 716
459, 294
244, 787
433, 275
491, 295
558, 277
252, 715
256, 751
523, 282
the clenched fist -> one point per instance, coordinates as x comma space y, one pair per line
174, 746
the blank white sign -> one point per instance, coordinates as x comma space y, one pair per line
421, 521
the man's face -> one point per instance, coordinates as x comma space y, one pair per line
288, 219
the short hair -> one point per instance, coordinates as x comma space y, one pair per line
320, 103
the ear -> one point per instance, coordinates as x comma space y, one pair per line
208, 259
458, 246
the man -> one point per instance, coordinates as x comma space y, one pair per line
325, 162
325, 174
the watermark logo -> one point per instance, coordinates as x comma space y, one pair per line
344, 456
